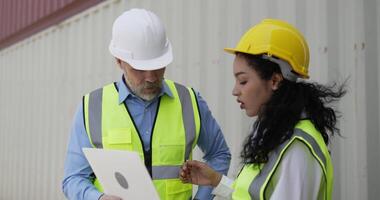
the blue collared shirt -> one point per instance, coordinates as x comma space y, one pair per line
77, 173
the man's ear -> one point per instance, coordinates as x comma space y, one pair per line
276, 80
118, 62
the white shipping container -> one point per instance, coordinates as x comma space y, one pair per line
43, 78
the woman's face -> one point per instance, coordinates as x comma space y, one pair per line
251, 91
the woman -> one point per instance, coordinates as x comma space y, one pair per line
286, 155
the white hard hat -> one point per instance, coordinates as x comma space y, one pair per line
139, 39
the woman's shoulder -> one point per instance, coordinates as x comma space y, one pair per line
298, 172
298, 153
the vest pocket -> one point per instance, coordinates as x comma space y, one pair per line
175, 189
171, 154
119, 139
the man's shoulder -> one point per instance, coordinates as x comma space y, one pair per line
182, 84
98, 89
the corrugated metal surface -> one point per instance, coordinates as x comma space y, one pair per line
18, 14
20, 19
42, 80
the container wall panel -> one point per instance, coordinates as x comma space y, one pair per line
20, 19
43, 78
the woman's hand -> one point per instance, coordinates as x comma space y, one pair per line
199, 173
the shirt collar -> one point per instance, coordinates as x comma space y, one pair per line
125, 93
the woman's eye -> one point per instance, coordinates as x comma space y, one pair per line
243, 82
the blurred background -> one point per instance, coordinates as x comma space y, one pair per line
54, 51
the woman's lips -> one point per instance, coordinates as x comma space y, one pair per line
241, 104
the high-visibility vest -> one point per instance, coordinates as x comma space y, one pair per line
251, 184
175, 132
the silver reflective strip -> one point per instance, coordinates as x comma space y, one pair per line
313, 143
165, 172
188, 117
95, 117
257, 183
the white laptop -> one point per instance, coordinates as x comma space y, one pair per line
121, 173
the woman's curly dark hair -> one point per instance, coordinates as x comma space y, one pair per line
279, 115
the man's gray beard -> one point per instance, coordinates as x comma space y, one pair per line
138, 91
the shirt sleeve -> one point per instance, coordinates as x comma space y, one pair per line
224, 189
212, 143
299, 176
76, 184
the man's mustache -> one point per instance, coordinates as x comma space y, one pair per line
151, 85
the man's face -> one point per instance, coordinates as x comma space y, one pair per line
145, 84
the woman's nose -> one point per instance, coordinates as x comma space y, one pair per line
235, 91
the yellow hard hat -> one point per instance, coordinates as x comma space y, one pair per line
279, 39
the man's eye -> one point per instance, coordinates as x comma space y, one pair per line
243, 82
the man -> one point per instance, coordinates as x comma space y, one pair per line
143, 112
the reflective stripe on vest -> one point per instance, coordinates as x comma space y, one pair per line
188, 120
95, 117
165, 172
306, 133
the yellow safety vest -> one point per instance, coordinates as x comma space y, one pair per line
251, 184
175, 132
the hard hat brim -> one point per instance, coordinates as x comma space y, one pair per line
230, 50
234, 51
146, 65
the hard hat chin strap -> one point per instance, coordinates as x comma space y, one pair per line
285, 68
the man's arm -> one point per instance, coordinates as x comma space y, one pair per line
211, 141
76, 182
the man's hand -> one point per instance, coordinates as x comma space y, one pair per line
109, 197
